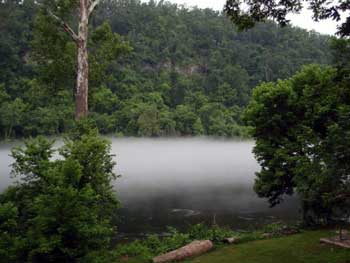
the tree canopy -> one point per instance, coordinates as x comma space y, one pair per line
156, 69
301, 126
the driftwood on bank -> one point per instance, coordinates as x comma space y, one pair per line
195, 248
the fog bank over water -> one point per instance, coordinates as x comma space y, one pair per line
183, 181
153, 167
191, 162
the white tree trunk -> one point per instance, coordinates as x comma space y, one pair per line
82, 85
86, 7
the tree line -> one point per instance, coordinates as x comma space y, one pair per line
156, 69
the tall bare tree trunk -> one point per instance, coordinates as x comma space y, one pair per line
86, 7
82, 85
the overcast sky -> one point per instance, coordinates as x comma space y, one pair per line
303, 20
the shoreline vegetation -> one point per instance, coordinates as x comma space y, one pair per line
294, 240
244, 134
59, 137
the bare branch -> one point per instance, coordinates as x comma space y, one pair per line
65, 26
93, 6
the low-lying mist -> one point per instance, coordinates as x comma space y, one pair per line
195, 170
182, 181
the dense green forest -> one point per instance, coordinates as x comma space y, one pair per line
157, 69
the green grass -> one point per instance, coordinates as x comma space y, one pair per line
300, 248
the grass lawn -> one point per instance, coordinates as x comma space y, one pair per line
304, 247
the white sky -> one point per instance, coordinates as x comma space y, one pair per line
302, 20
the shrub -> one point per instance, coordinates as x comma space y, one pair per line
60, 210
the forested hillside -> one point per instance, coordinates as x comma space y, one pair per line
157, 69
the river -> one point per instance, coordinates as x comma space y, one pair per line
177, 182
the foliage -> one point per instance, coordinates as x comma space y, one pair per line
142, 250
299, 125
61, 209
246, 13
156, 69
215, 233
154, 245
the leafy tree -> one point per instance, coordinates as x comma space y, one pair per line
167, 123
149, 122
104, 101
58, 66
198, 127
298, 125
246, 13
60, 210
185, 119
54, 15
15, 27
12, 114
294, 120
11, 242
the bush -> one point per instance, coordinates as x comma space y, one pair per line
61, 210
153, 245
215, 234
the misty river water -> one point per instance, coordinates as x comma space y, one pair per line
177, 182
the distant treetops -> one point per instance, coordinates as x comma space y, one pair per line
155, 69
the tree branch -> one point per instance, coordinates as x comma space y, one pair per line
93, 6
65, 26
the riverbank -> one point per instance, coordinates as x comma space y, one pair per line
300, 248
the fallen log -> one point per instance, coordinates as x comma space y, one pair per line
193, 249
335, 241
